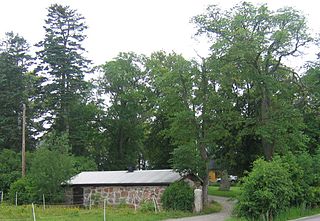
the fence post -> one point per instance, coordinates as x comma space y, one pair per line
90, 202
33, 213
16, 199
43, 202
154, 204
104, 210
1, 196
134, 202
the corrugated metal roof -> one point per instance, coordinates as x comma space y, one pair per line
125, 177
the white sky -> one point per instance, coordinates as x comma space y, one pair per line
142, 26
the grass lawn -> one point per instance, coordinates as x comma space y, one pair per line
234, 191
292, 213
78, 214
58, 213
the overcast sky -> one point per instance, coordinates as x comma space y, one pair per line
142, 26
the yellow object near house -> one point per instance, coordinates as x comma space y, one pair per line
212, 176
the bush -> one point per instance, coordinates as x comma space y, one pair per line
10, 168
24, 189
49, 169
267, 190
314, 196
178, 196
147, 206
301, 175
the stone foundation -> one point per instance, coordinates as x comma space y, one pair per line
114, 195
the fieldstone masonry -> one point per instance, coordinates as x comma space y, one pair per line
131, 195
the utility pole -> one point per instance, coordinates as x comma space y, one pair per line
23, 152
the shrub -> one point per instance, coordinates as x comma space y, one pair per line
178, 196
10, 168
24, 189
48, 177
267, 190
146, 206
314, 196
301, 175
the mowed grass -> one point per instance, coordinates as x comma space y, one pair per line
232, 193
58, 213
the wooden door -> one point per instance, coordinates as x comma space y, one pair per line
77, 196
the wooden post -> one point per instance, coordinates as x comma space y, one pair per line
134, 201
1, 196
104, 210
33, 213
154, 204
23, 153
43, 202
16, 199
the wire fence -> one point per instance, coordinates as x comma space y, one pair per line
55, 212
44, 208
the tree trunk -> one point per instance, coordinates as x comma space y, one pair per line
205, 200
204, 157
121, 143
203, 133
267, 145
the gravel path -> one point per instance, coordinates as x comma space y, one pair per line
227, 206
310, 218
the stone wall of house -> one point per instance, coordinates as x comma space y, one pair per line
68, 193
131, 195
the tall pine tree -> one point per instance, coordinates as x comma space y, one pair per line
14, 62
63, 65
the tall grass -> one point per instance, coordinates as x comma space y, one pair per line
296, 212
114, 213
292, 213
58, 213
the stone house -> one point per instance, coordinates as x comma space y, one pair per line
129, 187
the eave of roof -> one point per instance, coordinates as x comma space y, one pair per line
125, 178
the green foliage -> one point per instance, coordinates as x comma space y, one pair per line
55, 141
302, 176
267, 190
81, 164
14, 61
182, 94
124, 82
10, 168
314, 196
25, 190
146, 206
62, 62
249, 44
178, 196
51, 166
309, 103
158, 146
304, 173
186, 160
49, 169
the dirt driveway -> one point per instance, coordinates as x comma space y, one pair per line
225, 213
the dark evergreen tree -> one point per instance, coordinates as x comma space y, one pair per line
65, 97
14, 62
63, 65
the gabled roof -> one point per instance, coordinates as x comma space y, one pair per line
138, 177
